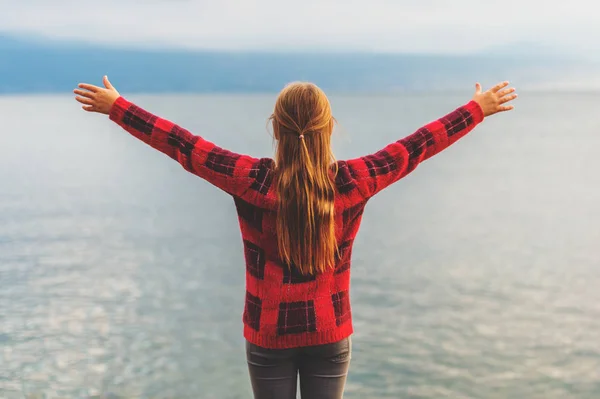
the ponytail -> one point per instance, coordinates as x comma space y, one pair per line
305, 226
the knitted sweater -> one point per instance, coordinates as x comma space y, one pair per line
284, 309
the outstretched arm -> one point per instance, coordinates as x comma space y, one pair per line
234, 173
377, 171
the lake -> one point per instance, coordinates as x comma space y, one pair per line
477, 276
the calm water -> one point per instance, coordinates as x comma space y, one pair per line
478, 276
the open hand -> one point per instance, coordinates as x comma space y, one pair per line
495, 99
97, 99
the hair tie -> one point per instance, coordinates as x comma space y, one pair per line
301, 137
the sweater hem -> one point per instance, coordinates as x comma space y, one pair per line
298, 340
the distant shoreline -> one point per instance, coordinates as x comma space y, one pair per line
50, 67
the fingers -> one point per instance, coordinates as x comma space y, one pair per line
506, 99
87, 95
504, 108
498, 87
89, 87
85, 100
504, 92
84, 93
107, 83
477, 88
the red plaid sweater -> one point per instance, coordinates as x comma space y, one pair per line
285, 309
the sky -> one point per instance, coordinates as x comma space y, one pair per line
438, 26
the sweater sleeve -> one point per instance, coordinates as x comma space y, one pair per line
227, 170
372, 173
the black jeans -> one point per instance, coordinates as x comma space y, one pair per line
322, 369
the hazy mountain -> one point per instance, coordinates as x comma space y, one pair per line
37, 66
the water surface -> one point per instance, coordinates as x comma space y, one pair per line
477, 276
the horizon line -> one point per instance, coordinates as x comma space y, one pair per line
423, 92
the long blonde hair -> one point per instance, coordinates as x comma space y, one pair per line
302, 125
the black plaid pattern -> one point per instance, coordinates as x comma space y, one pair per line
253, 215
182, 139
296, 318
222, 161
294, 314
134, 117
457, 121
344, 179
291, 275
417, 143
380, 163
351, 214
341, 306
252, 311
255, 259
262, 173
343, 257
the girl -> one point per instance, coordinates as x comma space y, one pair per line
298, 214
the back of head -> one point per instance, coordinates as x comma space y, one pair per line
302, 125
